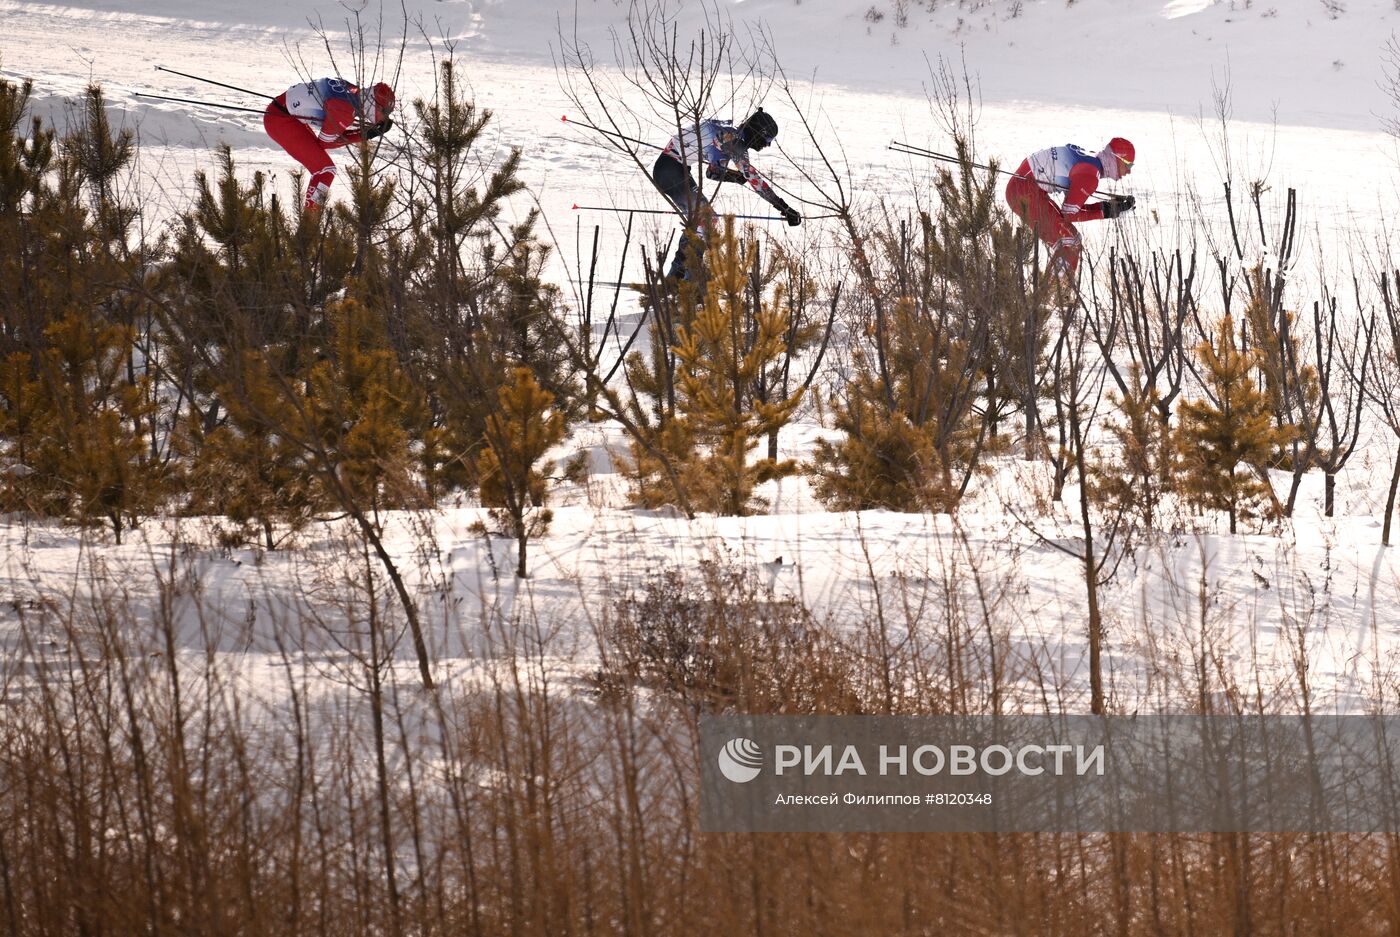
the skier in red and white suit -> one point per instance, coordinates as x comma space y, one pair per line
309, 119
1072, 173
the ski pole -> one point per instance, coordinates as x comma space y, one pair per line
660, 211
227, 107
162, 68
611, 133
910, 150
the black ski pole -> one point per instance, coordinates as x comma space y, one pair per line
662, 211
227, 107
611, 133
910, 150
258, 94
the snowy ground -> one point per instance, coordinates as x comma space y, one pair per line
1310, 110
1325, 582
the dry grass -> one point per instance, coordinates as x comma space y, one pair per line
145, 789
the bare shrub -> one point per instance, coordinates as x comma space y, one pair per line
723, 642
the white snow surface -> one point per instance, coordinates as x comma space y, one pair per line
1309, 107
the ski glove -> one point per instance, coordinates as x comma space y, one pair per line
1118, 205
379, 129
725, 175
790, 215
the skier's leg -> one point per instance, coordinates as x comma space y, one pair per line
1067, 250
676, 183
301, 144
1044, 218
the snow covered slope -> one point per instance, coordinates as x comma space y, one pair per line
1048, 71
1304, 62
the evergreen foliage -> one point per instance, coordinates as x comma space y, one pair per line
662, 442
244, 469
476, 307
1224, 440
513, 480
1136, 475
1287, 380
732, 341
713, 381
980, 262
954, 343
365, 412
906, 444
243, 300
76, 403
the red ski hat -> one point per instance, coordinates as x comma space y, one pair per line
1122, 149
383, 99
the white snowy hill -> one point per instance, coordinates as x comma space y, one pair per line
1307, 80
1316, 63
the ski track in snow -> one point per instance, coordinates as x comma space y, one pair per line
1148, 79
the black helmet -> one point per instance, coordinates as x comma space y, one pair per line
759, 130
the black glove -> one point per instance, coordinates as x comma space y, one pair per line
725, 174
378, 130
1118, 205
790, 215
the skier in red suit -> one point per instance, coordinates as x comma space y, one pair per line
1073, 174
310, 119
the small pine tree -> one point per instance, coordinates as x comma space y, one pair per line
661, 464
75, 409
83, 440
518, 434
244, 469
909, 444
979, 258
723, 353
1288, 382
477, 306
1134, 479
366, 412
26, 420
882, 460
1224, 440
662, 445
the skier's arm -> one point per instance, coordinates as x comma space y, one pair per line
758, 184
765, 192
1083, 182
722, 173
367, 132
335, 129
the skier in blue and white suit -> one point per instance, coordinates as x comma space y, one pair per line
714, 144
